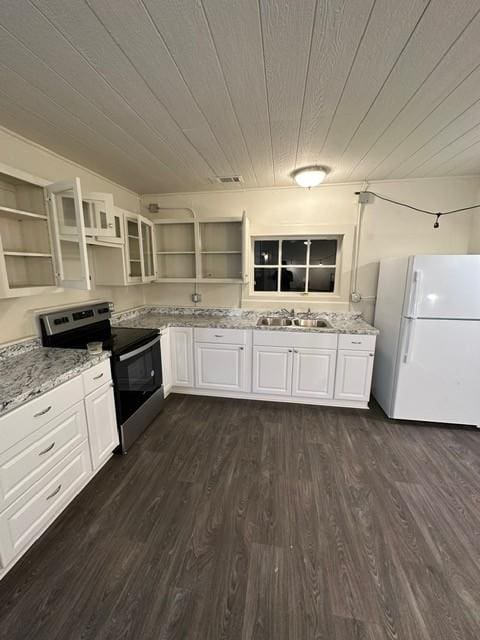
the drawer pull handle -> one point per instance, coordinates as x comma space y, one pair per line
218, 336
356, 342
42, 453
42, 413
52, 495
100, 375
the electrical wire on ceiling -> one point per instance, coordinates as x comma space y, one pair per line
437, 214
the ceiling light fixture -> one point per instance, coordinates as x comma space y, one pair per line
310, 176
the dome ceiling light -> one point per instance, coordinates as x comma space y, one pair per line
310, 176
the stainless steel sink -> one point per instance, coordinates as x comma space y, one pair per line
274, 322
309, 322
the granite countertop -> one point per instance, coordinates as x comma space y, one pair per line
26, 373
162, 317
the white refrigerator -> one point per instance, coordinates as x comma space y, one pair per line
427, 360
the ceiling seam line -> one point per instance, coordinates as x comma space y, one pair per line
207, 21
428, 115
70, 114
362, 37
430, 139
47, 66
154, 131
448, 145
266, 87
404, 47
154, 95
418, 89
307, 71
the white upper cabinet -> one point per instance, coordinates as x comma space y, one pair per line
97, 214
206, 250
71, 250
27, 261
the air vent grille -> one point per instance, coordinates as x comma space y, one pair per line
228, 179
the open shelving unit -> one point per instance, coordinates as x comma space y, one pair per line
209, 250
26, 256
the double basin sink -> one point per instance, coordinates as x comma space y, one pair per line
273, 321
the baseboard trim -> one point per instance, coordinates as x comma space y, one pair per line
192, 391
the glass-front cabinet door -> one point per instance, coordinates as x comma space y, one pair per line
147, 250
66, 205
117, 237
97, 213
133, 250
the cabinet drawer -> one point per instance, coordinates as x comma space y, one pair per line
96, 376
357, 342
308, 340
221, 336
21, 422
27, 461
25, 519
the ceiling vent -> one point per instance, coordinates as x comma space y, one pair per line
228, 179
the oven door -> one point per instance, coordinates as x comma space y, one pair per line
137, 376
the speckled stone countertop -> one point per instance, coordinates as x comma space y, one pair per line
27, 371
161, 317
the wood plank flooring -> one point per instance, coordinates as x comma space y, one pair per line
249, 520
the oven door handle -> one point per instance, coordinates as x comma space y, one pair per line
135, 352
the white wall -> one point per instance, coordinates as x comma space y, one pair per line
387, 229
16, 315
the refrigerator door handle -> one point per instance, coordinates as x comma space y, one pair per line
409, 342
415, 294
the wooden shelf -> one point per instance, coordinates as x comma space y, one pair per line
176, 280
220, 253
26, 254
134, 237
18, 214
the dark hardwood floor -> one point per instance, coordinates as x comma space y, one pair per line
254, 520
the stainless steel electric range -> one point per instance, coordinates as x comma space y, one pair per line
136, 361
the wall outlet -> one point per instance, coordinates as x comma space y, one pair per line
196, 297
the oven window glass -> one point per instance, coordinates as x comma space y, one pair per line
137, 377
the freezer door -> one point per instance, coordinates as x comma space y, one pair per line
443, 287
438, 374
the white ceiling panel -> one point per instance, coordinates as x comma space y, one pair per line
164, 96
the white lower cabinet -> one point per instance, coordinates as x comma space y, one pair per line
102, 424
181, 348
49, 449
166, 361
314, 373
272, 370
354, 375
27, 517
220, 366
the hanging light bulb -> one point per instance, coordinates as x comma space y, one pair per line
310, 176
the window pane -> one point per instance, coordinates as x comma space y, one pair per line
294, 252
266, 252
321, 280
293, 279
323, 251
266, 279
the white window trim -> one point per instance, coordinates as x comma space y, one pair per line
338, 299
307, 266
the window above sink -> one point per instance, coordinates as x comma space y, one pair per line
295, 265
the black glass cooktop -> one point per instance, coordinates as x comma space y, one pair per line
115, 339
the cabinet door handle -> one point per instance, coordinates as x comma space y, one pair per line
42, 413
52, 495
100, 375
290, 350
241, 348
42, 453
295, 351
218, 336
